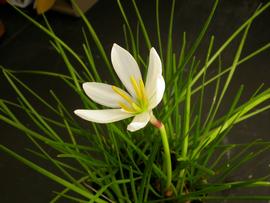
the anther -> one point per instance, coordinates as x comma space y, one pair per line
126, 108
136, 87
122, 94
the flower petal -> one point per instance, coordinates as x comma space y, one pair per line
155, 84
103, 94
103, 115
125, 66
139, 121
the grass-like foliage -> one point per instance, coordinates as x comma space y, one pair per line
106, 163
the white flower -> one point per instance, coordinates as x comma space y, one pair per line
137, 101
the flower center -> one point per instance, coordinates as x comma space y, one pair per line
134, 105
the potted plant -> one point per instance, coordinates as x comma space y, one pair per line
149, 136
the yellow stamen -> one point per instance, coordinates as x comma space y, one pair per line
141, 85
126, 108
122, 94
142, 89
136, 107
136, 87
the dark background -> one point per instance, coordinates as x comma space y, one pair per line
25, 47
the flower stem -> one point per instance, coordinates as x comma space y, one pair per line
167, 155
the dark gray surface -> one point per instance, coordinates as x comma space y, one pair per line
25, 47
